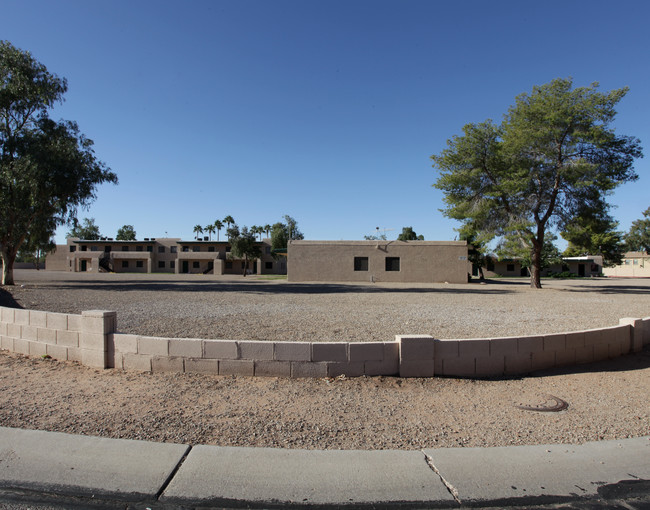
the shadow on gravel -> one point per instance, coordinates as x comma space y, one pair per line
265, 288
610, 289
6, 299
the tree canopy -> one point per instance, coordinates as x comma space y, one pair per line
243, 245
408, 234
47, 168
126, 233
638, 238
553, 154
86, 230
282, 233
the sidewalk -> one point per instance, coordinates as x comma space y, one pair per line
169, 475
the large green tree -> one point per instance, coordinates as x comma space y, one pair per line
282, 233
638, 238
243, 245
554, 152
408, 234
86, 230
47, 169
126, 233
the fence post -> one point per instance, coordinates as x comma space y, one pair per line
97, 328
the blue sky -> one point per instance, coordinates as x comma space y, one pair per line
327, 111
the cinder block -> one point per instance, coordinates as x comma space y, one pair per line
575, 340
416, 368
601, 352
21, 346
329, 351
625, 338
308, 369
584, 354
37, 349
38, 318
594, 337
125, 343
646, 330
56, 320
92, 341
99, 321
636, 333
505, 346
565, 357
391, 352
118, 361
530, 344
389, 366
351, 369
269, 368
521, 363
251, 350
74, 322
93, 325
137, 362
7, 343
415, 347
237, 367
7, 314
202, 366
615, 350
292, 351
29, 332
220, 349
46, 335
460, 367
57, 352
93, 358
609, 335
437, 366
446, 349
67, 338
74, 354
474, 348
21, 316
556, 342
3, 328
490, 366
13, 330
366, 351
154, 346
543, 360
186, 348
167, 364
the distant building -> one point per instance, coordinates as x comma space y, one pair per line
162, 255
635, 264
379, 261
587, 265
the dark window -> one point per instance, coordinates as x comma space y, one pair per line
510, 268
490, 265
161, 264
107, 249
210, 248
227, 249
93, 248
172, 264
161, 249
138, 248
172, 249
268, 265
392, 263
125, 248
228, 265
196, 248
84, 248
196, 264
361, 264
125, 263
139, 263
150, 248
268, 250
73, 249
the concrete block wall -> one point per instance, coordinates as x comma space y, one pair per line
92, 339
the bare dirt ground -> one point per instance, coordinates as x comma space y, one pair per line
607, 400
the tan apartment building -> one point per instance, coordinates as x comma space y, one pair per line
635, 264
162, 255
378, 261
587, 265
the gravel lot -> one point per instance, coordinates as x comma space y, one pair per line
607, 400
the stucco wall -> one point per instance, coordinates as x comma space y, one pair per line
420, 261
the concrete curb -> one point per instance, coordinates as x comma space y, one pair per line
171, 475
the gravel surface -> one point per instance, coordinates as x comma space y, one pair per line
606, 400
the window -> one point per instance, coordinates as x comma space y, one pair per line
172, 249
361, 264
73, 249
150, 248
490, 265
228, 265
210, 248
196, 248
635, 262
107, 249
510, 268
93, 248
125, 263
125, 248
196, 264
139, 263
392, 263
84, 248
161, 249
268, 265
227, 249
268, 250
172, 264
161, 264
138, 248
186, 248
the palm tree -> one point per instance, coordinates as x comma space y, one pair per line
256, 230
218, 225
198, 229
229, 220
267, 229
210, 230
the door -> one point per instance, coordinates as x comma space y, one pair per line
84, 265
581, 269
186, 266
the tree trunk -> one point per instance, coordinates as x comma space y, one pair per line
536, 264
245, 265
8, 258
